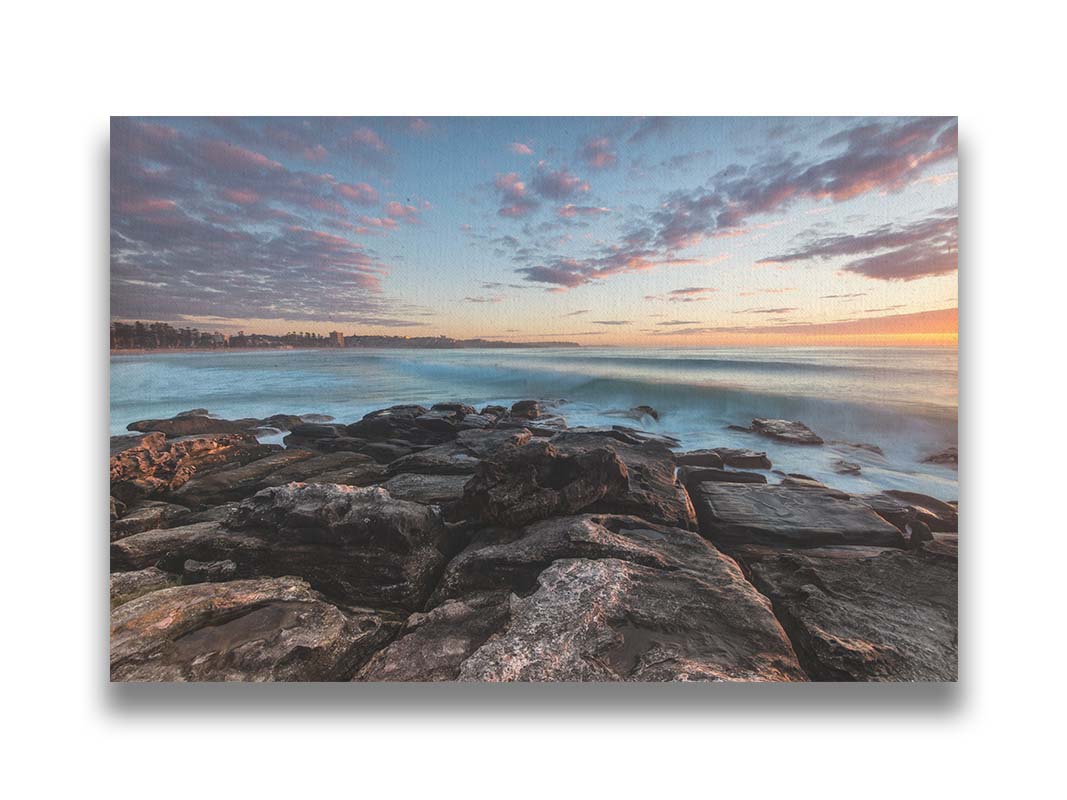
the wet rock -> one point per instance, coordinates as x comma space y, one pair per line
193, 425
476, 422
428, 489
900, 508
787, 516
399, 423
917, 532
637, 413
798, 481
316, 418
257, 630
317, 430
527, 409
126, 586
949, 456
863, 446
700, 458
842, 467
383, 452
785, 431
208, 571
611, 620
743, 459
493, 411
432, 646
147, 515
456, 408
520, 484
195, 412
942, 547
892, 617
696, 475
118, 508
652, 490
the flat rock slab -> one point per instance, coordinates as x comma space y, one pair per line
785, 430
787, 516
742, 458
148, 515
638, 602
900, 508
126, 586
694, 475
461, 456
891, 617
258, 630
429, 489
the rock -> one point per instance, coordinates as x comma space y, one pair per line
892, 617
900, 508
493, 411
400, 423
610, 620
867, 448
147, 515
917, 532
942, 547
476, 422
652, 491
355, 545
545, 425
118, 508
459, 457
455, 408
126, 586
224, 513
317, 430
693, 475
316, 418
699, 458
527, 409
434, 645
785, 431
842, 467
949, 456
742, 459
798, 481
519, 484
150, 465
195, 412
383, 452
637, 413
208, 571
259, 630
428, 489
277, 469
193, 425
787, 516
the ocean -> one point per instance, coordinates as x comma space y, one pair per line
904, 400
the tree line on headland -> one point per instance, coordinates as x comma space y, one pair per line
161, 336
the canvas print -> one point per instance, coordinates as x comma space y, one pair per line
533, 399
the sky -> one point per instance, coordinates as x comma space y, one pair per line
639, 231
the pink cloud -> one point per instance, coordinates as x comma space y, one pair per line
570, 211
361, 193
229, 157
520, 149
598, 153
399, 211
240, 197
146, 205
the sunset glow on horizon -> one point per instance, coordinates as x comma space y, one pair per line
652, 232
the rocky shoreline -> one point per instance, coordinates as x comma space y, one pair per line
449, 543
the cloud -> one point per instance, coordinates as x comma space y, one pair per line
360, 193
516, 200
401, 212
941, 321
610, 322
692, 294
599, 153
497, 298
889, 252
675, 322
520, 149
556, 184
576, 313
651, 126
766, 311
570, 211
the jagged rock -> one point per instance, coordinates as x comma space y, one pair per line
652, 490
456, 408
610, 620
147, 515
700, 458
942, 547
316, 430
865, 447
842, 467
429, 489
476, 422
527, 409
693, 475
398, 423
194, 412
356, 545
286, 466
118, 508
949, 456
224, 513
519, 484
316, 418
637, 413
743, 459
126, 586
493, 411
785, 431
208, 571
459, 457
433, 646
891, 617
787, 515
917, 532
258, 630
384, 452
150, 465
900, 508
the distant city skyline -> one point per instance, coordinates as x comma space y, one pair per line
613, 231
